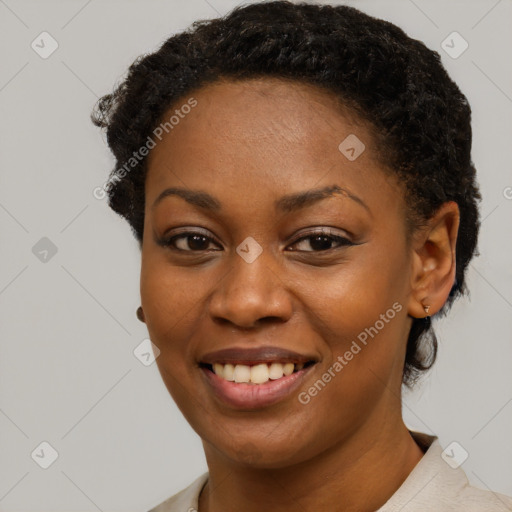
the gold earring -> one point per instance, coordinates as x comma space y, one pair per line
140, 314
427, 309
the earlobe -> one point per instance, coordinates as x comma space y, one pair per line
434, 262
140, 314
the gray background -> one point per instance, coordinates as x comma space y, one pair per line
68, 329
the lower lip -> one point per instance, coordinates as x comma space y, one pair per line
255, 396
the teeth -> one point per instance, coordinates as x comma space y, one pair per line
288, 368
275, 371
219, 369
228, 372
242, 373
257, 374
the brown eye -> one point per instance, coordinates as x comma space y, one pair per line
189, 241
321, 241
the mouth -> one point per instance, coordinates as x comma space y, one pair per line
254, 378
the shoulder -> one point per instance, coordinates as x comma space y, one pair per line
457, 494
439, 483
473, 499
184, 501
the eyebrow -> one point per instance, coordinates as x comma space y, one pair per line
294, 202
286, 204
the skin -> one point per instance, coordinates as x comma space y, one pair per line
248, 144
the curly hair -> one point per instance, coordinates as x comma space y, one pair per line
395, 83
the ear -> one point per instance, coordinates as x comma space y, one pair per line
433, 272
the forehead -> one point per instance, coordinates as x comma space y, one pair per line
261, 110
279, 133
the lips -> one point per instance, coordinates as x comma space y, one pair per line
256, 355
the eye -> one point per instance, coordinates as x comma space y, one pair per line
195, 241
322, 240
188, 241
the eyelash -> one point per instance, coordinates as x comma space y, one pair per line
342, 241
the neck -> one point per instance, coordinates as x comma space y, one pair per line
360, 474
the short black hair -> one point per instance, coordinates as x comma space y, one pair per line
388, 79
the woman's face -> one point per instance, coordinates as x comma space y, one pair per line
328, 277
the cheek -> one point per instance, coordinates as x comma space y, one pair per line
363, 335
363, 331
172, 302
168, 292
360, 313
351, 296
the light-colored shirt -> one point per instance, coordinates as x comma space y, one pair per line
433, 485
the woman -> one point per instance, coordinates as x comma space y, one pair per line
300, 183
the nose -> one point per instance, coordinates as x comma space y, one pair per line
251, 294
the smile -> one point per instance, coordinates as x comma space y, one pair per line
255, 374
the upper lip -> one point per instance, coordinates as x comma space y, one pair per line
256, 355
